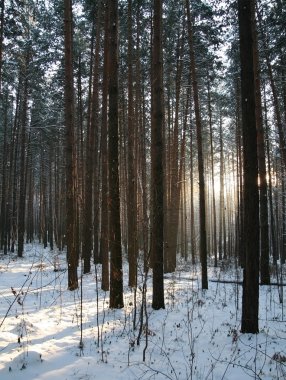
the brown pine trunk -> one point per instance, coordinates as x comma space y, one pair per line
157, 148
30, 204
192, 206
43, 202
23, 148
145, 203
51, 202
72, 255
123, 165
250, 297
116, 275
104, 230
240, 252
4, 174
132, 178
59, 212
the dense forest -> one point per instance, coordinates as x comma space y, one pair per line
146, 132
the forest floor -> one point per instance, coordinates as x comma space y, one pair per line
197, 336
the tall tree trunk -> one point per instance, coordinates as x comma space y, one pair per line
250, 297
23, 148
51, 201
116, 275
240, 251
30, 203
263, 201
72, 255
157, 148
104, 230
43, 202
132, 197
145, 204
58, 200
4, 174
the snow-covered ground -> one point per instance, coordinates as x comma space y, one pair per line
197, 336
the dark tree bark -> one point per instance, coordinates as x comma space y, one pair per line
116, 276
104, 230
192, 206
23, 149
72, 255
5, 182
239, 194
157, 148
51, 202
59, 200
30, 203
132, 180
145, 200
43, 201
250, 297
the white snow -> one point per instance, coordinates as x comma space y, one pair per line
197, 336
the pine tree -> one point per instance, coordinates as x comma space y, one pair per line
157, 147
72, 254
116, 275
250, 297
